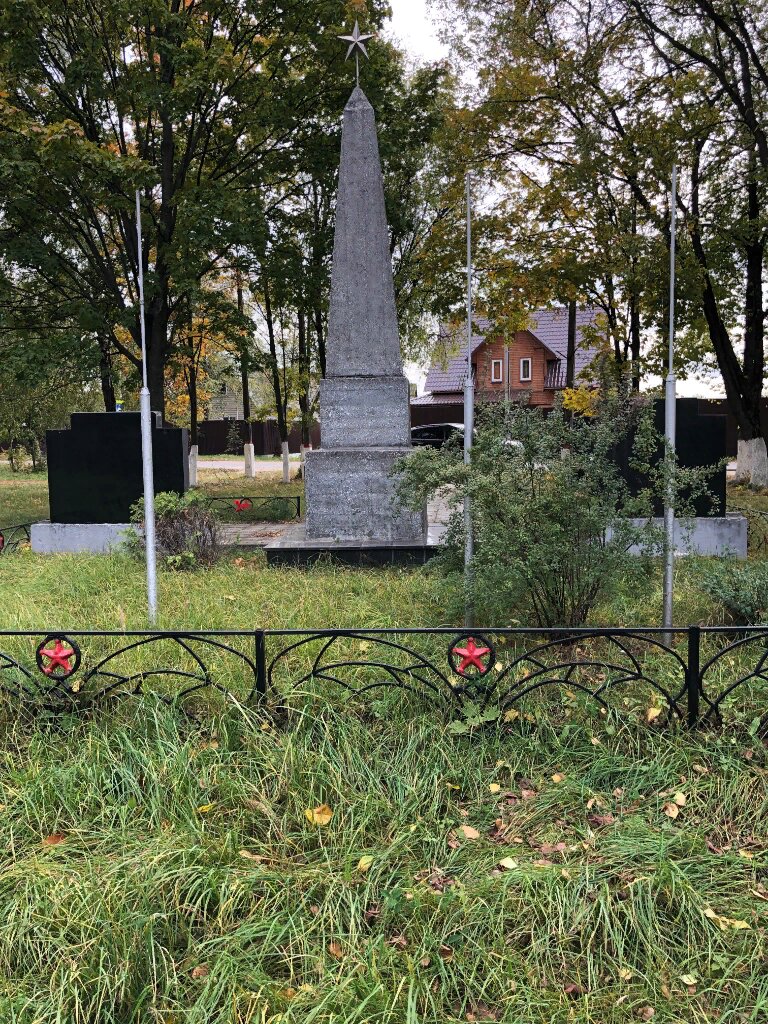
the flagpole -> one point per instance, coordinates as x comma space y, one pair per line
670, 423
469, 418
146, 443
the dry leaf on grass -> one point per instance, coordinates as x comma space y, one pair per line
469, 832
725, 923
508, 864
201, 971
558, 777
334, 948
55, 839
320, 815
364, 863
671, 810
494, 787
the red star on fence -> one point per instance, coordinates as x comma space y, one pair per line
59, 656
471, 657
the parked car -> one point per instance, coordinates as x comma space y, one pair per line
434, 435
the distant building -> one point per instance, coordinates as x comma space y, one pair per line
530, 366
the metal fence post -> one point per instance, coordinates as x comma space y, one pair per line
692, 672
261, 662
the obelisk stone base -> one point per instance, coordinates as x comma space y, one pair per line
350, 495
365, 412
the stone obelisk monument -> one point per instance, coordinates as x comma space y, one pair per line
364, 399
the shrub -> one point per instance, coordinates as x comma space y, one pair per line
740, 587
552, 515
234, 442
186, 530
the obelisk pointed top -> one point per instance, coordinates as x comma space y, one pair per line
358, 100
363, 338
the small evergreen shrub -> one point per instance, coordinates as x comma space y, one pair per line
186, 531
234, 442
740, 587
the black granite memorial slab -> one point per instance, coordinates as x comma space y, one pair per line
700, 441
95, 471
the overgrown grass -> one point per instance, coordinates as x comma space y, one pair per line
23, 496
161, 867
159, 872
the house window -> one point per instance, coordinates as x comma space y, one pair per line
496, 374
525, 369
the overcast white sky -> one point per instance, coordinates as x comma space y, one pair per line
412, 25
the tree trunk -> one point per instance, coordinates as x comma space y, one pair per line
105, 374
303, 379
743, 386
281, 403
243, 355
570, 358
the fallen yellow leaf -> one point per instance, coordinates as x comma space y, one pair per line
508, 864
652, 714
205, 808
318, 815
511, 715
494, 787
679, 799
671, 810
688, 979
557, 777
469, 832
625, 974
364, 863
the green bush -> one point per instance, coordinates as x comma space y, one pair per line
186, 530
552, 516
740, 587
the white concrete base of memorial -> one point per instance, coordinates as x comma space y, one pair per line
77, 538
712, 535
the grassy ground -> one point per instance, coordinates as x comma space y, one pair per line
157, 872
176, 869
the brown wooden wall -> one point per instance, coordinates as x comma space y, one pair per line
524, 346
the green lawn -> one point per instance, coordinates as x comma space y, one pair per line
160, 866
162, 870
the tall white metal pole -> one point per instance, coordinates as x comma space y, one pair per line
670, 423
146, 444
469, 422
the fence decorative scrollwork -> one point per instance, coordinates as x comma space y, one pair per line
693, 675
256, 507
13, 537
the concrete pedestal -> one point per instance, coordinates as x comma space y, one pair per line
350, 495
77, 538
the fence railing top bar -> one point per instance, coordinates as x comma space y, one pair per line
557, 631
160, 633
353, 631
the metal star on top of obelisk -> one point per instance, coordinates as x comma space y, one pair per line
357, 43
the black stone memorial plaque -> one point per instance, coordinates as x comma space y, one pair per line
94, 468
700, 441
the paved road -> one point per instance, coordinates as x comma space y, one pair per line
238, 465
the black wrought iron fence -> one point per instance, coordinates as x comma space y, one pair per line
693, 676
256, 508
757, 529
13, 537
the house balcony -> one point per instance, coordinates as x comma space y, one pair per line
554, 378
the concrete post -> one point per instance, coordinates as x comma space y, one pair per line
193, 466
250, 461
